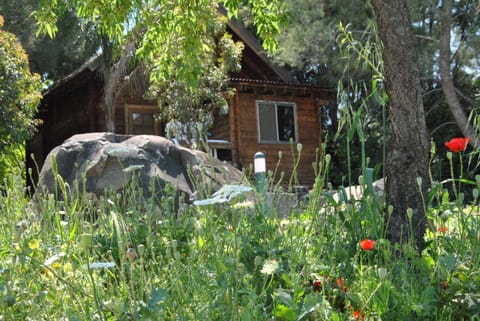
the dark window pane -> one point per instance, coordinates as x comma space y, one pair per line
286, 123
143, 123
268, 128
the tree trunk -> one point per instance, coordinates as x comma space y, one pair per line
114, 80
408, 143
445, 73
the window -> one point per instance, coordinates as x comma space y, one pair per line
276, 122
142, 120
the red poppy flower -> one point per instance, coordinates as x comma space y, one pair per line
442, 229
317, 286
457, 144
357, 314
340, 284
367, 244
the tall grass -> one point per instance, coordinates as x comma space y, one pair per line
123, 257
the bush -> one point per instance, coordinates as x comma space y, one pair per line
19, 98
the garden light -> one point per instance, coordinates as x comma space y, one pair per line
260, 169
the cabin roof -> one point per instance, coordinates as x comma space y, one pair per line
252, 43
91, 65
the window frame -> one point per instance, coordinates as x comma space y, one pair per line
130, 109
276, 104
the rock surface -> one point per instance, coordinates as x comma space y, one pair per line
355, 193
101, 161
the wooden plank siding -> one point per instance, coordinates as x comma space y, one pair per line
221, 127
67, 109
243, 125
67, 112
308, 130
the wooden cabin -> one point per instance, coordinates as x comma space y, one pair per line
268, 110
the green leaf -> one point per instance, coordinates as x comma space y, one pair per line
284, 312
158, 297
283, 296
311, 303
246, 315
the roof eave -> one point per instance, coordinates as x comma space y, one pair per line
256, 47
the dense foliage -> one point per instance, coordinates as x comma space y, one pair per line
53, 59
122, 257
179, 103
19, 98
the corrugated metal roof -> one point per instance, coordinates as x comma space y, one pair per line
279, 84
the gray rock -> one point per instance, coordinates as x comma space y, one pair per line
94, 162
226, 194
355, 193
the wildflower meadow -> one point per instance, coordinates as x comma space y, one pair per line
123, 257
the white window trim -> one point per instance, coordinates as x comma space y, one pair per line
276, 103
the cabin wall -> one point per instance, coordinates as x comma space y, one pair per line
65, 117
246, 143
221, 128
64, 113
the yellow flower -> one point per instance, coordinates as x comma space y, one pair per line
67, 267
246, 205
34, 244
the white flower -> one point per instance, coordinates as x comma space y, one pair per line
382, 273
270, 267
54, 258
101, 265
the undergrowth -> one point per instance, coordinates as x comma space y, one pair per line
121, 257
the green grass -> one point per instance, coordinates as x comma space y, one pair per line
118, 258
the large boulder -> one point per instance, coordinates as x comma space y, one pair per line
96, 162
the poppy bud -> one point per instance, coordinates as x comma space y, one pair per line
131, 254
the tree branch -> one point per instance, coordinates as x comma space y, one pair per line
448, 86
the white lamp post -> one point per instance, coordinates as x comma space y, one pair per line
260, 169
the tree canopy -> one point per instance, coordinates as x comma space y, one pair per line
178, 43
171, 36
75, 42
